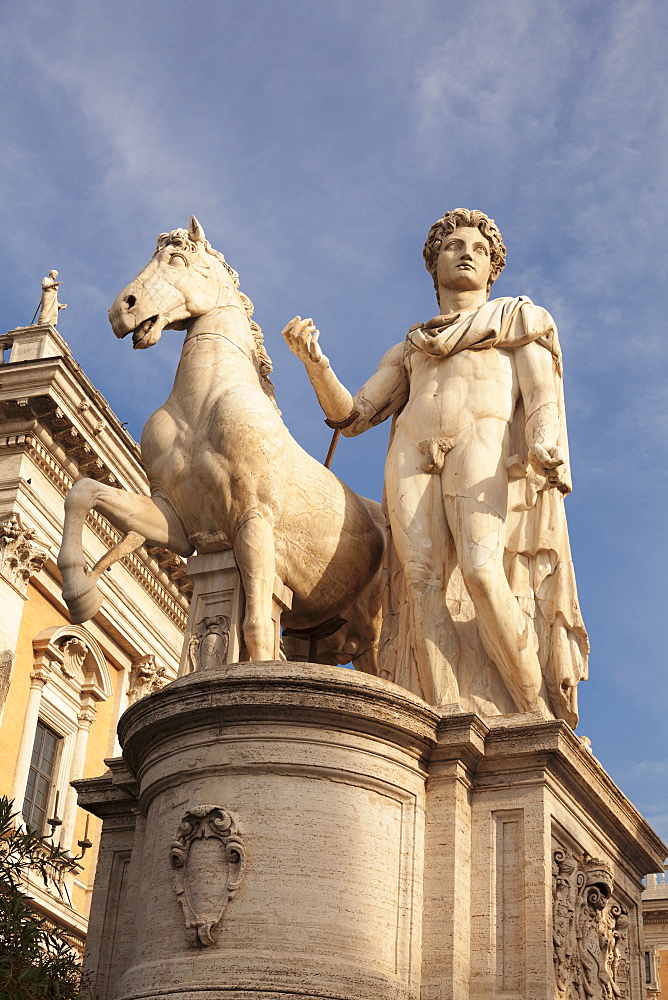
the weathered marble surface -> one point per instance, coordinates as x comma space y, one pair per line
482, 606
329, 808
225, 473
337, 839
214, 633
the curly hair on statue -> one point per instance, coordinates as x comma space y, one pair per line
476, 220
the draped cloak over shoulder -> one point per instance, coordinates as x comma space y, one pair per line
537, 557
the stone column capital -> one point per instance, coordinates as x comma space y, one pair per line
22, 555
86, 717
39, 675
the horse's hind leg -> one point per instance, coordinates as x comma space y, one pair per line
366, 619
359, 638
255, 556
138, 517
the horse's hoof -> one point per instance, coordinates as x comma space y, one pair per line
84, 607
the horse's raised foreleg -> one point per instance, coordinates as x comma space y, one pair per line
138, 517
255, 556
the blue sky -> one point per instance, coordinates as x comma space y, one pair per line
316, 143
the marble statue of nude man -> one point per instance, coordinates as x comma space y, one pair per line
454, 386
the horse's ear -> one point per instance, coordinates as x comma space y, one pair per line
195, 231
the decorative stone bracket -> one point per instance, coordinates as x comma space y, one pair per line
590, 931
208, 860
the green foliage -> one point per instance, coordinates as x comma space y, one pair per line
36, 962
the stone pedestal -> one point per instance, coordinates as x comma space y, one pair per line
214, 632
289, 830
30, 343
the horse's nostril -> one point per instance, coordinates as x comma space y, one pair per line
131, 301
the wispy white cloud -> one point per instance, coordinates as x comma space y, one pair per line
318, 142
483, 78
142, 151
566, 115
649, 768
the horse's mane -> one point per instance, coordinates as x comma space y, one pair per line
263, 359
182, 237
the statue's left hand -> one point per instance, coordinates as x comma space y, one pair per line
549, 462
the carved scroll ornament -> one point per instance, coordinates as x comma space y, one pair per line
591, 957
208, 860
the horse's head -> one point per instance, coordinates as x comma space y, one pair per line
185, 278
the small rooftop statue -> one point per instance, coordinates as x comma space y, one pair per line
49, 306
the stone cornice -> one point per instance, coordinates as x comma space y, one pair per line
286, 691
113, 794
553, 746
56, 393
654, 916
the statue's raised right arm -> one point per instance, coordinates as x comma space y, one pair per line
381, 396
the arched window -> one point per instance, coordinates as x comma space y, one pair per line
69, 677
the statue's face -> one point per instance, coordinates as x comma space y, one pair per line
464, 260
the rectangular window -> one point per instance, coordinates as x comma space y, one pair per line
648, 967
40, 777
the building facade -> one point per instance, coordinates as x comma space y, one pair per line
63, 686
655, 923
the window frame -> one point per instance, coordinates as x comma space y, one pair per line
51, 777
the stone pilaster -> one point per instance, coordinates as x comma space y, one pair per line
38, 679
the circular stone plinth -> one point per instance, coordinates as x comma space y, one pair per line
283, 840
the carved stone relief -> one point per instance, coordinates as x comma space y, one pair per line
209, 643
145, 678
21, 555
590, 930
75, 652
7, 658
208, 860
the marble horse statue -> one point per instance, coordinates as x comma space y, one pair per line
224, 471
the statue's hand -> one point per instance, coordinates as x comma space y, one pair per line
301, 336
549, 462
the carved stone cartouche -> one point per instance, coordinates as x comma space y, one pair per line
208, 644
208, 859
75, 652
